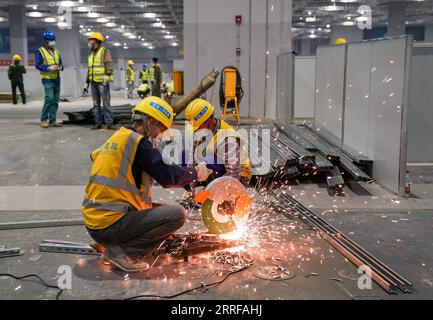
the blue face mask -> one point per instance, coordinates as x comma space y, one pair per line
52, 44
90, 45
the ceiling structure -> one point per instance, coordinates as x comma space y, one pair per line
315, 18
152, 24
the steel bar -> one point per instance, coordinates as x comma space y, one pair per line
41, 224
9, 252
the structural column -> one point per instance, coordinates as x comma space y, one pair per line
18, 31
396, 18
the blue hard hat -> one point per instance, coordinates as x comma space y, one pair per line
144, 65
49, 35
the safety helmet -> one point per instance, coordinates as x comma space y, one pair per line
156, 108
144, 66
130, 62
97, 36
198, 111
49, 35
340, 41
17, 57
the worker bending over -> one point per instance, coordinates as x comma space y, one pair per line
117, 209
223, 152
130, 78
143, 90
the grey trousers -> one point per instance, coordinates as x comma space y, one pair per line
139, 233
101, 91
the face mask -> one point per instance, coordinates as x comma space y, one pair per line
156, 142
90, 45
52, 44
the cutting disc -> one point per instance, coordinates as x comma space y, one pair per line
227, 205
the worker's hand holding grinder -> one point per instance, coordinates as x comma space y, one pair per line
202, 171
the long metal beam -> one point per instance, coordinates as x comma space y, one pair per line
41, 224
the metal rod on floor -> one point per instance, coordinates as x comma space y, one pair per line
41, 224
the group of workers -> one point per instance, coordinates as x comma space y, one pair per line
118, 210
149, 80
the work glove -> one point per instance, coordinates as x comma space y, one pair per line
106, 78
202, 171
53, 67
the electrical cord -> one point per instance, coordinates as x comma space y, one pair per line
41, 281
212, 284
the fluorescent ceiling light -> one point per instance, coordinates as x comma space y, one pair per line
310, 19
116, 44
312, 36
88, 33
145, 44
132, 36
309, 13
110, 24
2, 19
168, 36
156, 24
174, 44
149, 15
93, 15
102, 20
67, 4
35, 14
361, 18
62, 24
347, 23
328, 26
330, 8
151, 47
50, 20
125, 47
82, 9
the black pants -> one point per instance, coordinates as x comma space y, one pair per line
20, 86
139, 233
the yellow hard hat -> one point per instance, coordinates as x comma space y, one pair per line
97, 36
340, 41
130, 62
17, 57
198, 111
156, 108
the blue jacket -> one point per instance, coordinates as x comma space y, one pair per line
39, 64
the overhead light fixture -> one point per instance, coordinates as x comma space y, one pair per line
132, 36
348, 17
312, 31
320, 29
93, 15
149, 15
328, 26
107, 37
347, 23
2, 19
82, 9
125, 47
362, 19
156, 24
67, 4
312, 36
122, 26
35, 7
110, 24
35, 14
116, 44
151, 47
88, 33
310, 19
168, 36
309, 13
145, 44
330, 8
102, 20
50, 20
81, 26
62, 24
174, 44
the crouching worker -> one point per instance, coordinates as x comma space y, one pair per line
143, 90
223, 152
117, 208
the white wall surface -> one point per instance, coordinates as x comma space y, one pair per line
305, 74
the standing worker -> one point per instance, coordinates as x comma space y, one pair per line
99, 76
130, 78
49, 63
144, 74
15, 75
117, 208
156, 77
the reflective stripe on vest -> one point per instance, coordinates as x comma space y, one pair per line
130, 75
144, 75
96, 65
111, 191
50, 59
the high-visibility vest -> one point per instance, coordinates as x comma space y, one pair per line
144, 75
170, 87
152, 72
95, 61
227, 131
111, 192
143, 87
130, 75
50, 58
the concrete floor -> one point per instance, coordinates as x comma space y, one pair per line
42, 176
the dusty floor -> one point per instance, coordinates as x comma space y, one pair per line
42, 176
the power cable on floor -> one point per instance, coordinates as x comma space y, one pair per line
41, 281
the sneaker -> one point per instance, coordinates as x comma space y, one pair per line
97, 127
124, 262
56, 125
44, 124
111, 127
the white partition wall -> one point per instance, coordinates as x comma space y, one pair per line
305, 75
372, 117
285, 66
328, 101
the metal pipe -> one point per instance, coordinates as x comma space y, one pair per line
41, 224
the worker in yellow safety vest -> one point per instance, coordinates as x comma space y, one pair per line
130, 78
49, 64
117, 208
99, 75
155, 75
144, 74
224, 151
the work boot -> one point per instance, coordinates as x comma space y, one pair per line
97, 126
97, 246
44, 124
117, 257
56, 125
111, 127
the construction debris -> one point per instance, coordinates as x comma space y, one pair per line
235, 260
9, 252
